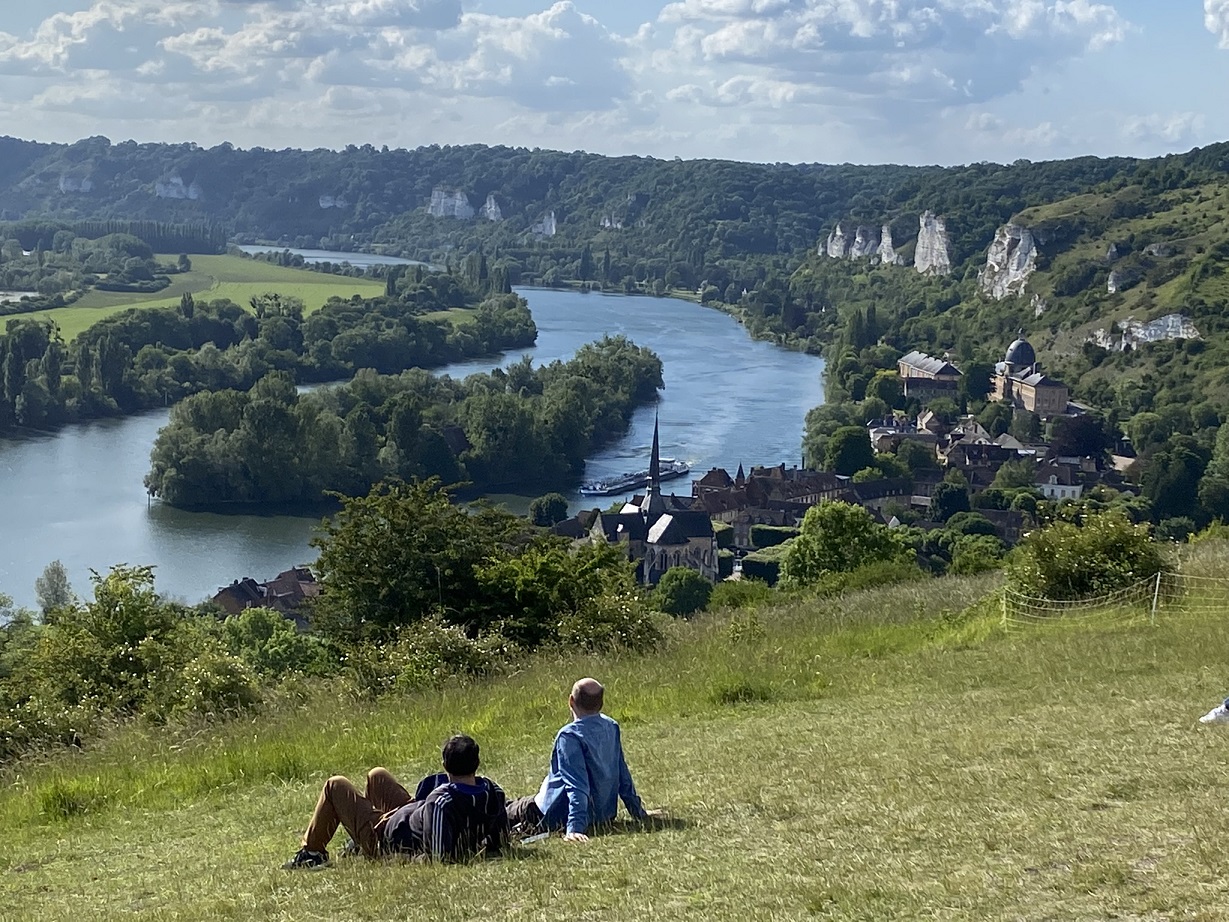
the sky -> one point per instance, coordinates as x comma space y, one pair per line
859, 81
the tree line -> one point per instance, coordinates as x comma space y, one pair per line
513, 427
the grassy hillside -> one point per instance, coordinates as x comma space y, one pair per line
215, 277
888, 755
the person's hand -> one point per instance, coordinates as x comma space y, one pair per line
575, 837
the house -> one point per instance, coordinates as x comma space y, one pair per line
1058, 481
1019, 381
925, 376
286, 593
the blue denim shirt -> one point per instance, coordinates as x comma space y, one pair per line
588, 775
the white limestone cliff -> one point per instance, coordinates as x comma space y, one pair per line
1039, 305
887, 251
450, 203
71, 184
491, 210
1011, 259
865, 242
838, 244
932, 254
610, 222
333, 201
547, 227
1135, 333
174, 187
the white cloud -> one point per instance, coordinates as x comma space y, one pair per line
1174, 128
881, 53
1216, 19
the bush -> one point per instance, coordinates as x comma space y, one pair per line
763, 536
215, 683
615, 620
741, 594
869, 576
725, 563
272, 645
424, 655
724, 532
682, 591
1068, 561
765, 565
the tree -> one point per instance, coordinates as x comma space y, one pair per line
975, 382
682, 591
836, 537
1079, 436
53, 589
548, 509
848, 451
1171, 478
1025, 426
947, 500
917, 456
1016, 474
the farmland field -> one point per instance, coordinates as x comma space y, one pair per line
214, 277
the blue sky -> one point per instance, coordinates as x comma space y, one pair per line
864, 81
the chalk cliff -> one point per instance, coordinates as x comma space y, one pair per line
491, 210
1135, 333
175, 188
887, 251
450, 203
333, 201
838, 244
546, 227
1011, 259
865, 242
70, 184
932, 255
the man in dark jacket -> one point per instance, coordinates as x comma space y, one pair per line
451, 815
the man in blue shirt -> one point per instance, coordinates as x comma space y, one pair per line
588, 773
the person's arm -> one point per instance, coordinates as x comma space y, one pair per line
570, 757
437, 831
627, 788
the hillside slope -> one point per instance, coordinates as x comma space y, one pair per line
863, 758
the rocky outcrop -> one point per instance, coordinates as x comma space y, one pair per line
886, 251
175, 188
865, 242
1111, 253
333, 201
610, 222
75, 184
1039, 306
838, 244
547, 227
1134, 333
1159, 250
450, 203
1011, 259
932, 255
1123, 278
491, 210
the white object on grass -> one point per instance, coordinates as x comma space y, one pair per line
536, 838
1218, 714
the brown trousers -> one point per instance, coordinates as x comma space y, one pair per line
341, 804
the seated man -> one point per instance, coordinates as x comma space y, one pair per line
588, 773
451, 815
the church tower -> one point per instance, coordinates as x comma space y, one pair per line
653, 504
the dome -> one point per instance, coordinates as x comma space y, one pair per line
1020, 354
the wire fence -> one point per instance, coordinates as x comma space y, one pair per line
1164, 595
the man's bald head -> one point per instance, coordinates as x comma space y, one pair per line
587, 696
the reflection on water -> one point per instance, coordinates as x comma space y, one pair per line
77, 495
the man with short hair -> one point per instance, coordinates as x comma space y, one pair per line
451, 815
588, 773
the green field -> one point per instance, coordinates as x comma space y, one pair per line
215, 277
891, 754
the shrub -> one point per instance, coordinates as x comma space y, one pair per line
766, 564
725, 563
682, 591
1068, 561
424, 655
615, 620
741, 594
215, 683
724, 533
763, 536
869, 576
272, 645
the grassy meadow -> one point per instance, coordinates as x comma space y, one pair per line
214, 277
891, 754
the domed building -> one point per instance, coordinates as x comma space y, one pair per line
1018, 380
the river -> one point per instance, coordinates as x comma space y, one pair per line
77, 495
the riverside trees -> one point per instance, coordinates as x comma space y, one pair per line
523, 426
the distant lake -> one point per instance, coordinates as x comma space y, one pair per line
358, 260
77, 495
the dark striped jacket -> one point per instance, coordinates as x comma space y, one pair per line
455, 821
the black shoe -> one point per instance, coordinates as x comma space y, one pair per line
307, 860
351, 849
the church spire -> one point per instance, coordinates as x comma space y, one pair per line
653, 503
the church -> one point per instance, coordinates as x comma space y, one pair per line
657, 532
1019, 381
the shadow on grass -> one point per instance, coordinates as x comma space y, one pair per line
622, 827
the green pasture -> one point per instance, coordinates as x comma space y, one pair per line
890, 754
214, 277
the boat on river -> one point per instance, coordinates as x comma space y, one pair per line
624, 483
